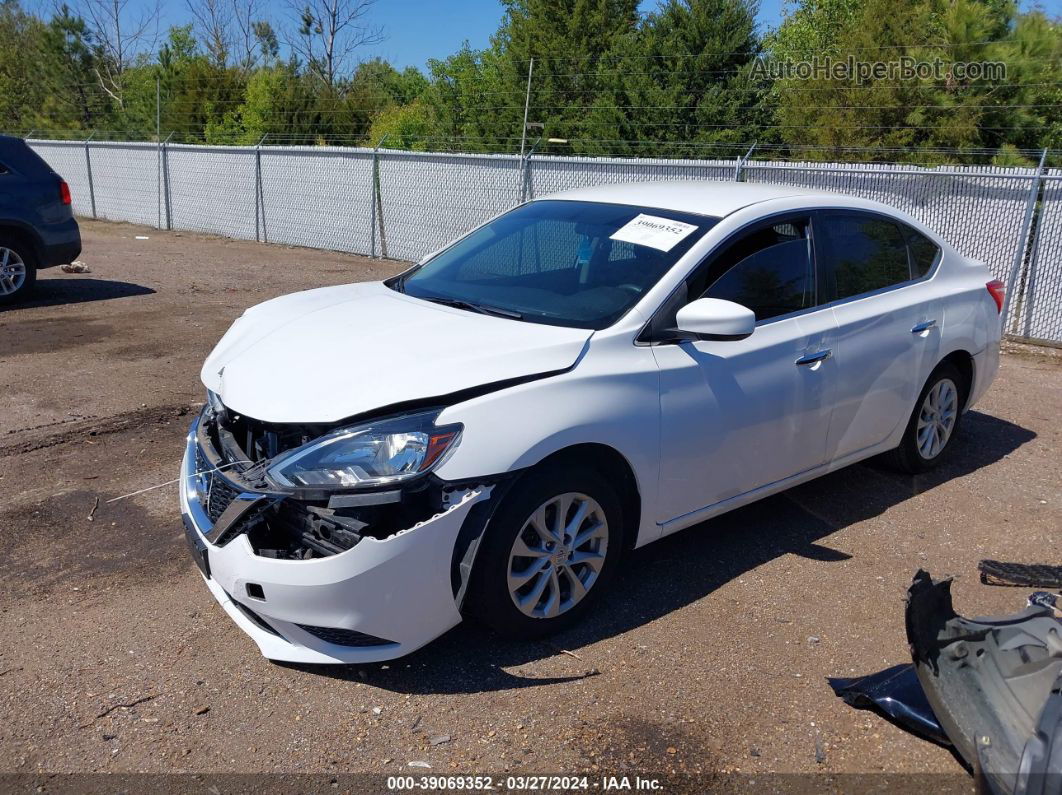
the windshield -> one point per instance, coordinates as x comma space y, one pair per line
566, 263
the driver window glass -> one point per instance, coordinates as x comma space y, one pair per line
768, 270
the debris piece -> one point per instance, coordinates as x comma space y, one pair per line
113, 707
419, 763
897, 693
377, 710
202, 710
1024, 575
95, 505
439, 739
77, 266
559, 650
820, 751
1017, 673
142, 237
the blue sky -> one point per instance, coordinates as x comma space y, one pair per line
421, 29
418, 29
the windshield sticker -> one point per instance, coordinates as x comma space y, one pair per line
653, 231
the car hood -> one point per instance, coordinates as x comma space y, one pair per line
323, 355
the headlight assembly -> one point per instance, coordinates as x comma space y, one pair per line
374, 453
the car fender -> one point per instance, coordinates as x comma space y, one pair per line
611, 397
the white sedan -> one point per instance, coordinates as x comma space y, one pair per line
489, 432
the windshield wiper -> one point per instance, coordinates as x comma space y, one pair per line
457, 303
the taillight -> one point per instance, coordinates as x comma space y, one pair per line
997, 289
64, 192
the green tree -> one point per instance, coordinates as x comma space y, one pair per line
684, 79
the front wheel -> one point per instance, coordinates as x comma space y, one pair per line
548, 553
933, 423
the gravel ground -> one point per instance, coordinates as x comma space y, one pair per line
709, 657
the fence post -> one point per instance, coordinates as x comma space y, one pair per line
163, 149
259, 203
525, 170
1023, 246
376, 211
88, 172
740, 165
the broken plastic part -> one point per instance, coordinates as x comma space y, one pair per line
995, 685
897, 693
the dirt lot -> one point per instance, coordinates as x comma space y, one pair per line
709, 657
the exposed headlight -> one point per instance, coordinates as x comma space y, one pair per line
380, 452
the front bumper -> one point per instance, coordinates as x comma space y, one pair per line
397, 590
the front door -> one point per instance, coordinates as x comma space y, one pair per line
739, 415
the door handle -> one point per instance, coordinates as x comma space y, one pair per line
813, 358
925, 325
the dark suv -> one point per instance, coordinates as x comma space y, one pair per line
37, 226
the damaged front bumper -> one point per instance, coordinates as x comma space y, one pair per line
378, 600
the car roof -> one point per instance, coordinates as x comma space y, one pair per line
703, 197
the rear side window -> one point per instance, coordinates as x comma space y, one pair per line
924, 253
860, 253
769, 270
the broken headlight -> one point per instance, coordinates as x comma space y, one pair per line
374, 453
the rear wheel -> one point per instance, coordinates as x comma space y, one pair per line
550, 550
933, 423
18, 271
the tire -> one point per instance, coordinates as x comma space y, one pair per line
18, 270
920, 450
540, 494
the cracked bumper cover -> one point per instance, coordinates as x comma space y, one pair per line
398, 588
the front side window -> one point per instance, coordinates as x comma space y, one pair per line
768, 270
567, 263
860, 253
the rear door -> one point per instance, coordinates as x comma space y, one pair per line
888, 327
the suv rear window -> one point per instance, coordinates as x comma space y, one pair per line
861, 253
16, 155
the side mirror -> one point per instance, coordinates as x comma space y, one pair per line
715, 319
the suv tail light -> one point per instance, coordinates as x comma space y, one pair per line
64, 192
997, 289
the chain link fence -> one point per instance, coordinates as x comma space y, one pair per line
404, 205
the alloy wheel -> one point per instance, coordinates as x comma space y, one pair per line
558, 555
12, 271
936, 420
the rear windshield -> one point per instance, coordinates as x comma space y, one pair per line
16, 156
565, 263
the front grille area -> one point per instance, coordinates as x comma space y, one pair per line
217, 494
344, 637
219, 497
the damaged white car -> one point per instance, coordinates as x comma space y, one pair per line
487, 433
